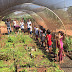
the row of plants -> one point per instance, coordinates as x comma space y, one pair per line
21, 54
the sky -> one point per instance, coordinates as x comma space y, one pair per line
64, 3
68, 2
56, 3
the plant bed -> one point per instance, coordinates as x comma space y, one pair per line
19, 54
31, 69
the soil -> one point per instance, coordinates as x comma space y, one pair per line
67, 65
42, 69
4, 29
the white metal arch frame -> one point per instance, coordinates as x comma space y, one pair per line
20, 6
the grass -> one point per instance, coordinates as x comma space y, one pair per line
17, 51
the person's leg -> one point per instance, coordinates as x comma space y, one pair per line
8, 30
23, 30
28, 31
63, 53
60, 56
37, 37
42, 43
14, 29
47, 48
50, 49
31, 33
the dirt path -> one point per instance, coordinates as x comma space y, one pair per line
4, 29
67, 65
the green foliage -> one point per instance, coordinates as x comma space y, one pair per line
11, 39
2, 64
19, 38
45, 62
8, 45
5, 69
53, 69
18, 55
68, 44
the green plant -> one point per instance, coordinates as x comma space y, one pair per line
18, 55
68, 44
10, 39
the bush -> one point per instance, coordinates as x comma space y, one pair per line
68, 44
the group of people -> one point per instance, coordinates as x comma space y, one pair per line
18, 25
52, 41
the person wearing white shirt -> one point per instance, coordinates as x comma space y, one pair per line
22, 25
14, 23
30, 30
28, 25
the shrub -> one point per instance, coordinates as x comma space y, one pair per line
68, 44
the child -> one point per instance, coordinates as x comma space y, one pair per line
14, 24
40, 33
54, 43
61, 37
30, 30
36, 32
43, 37
8, 26
22, 25
49, 42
